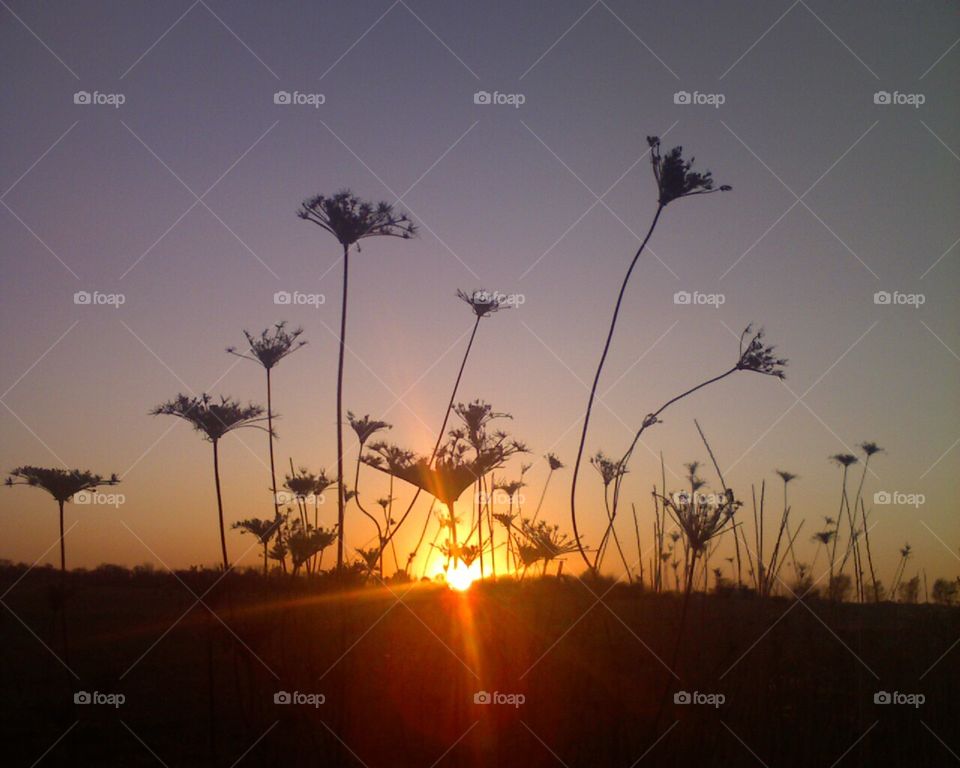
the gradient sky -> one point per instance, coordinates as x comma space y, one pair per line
98, 198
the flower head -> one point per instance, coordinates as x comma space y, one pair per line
609, 469
870, 448
482, 302
269, 348
350, 219
366, 427
62, 484
844, 459
211, 418
554, 462
676, 177
757, 356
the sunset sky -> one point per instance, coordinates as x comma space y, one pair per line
182, 199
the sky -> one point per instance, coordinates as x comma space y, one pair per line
145, 161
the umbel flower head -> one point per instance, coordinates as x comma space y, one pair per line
62, 484
757, 356
554, 462
350, 219
303, 483
844, 459
211, 418
269, 348
609, 469
482, 302
447, 479
366, 427
676, 177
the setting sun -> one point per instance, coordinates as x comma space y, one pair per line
460, 577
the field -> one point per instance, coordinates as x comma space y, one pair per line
388, 676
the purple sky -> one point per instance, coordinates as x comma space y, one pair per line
835, 198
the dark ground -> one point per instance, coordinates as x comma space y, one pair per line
399, 668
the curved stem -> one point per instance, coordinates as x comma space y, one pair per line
356, 496
596, 380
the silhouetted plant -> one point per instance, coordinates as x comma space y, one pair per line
845, 461
483, 304
754, 356
869, 449
62, 485
905, 553
554, 463
365, 428
213, 420
268, 349
350, 220
264, 530
675, 179
452, 472
610, 471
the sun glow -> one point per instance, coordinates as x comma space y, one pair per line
460, 576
